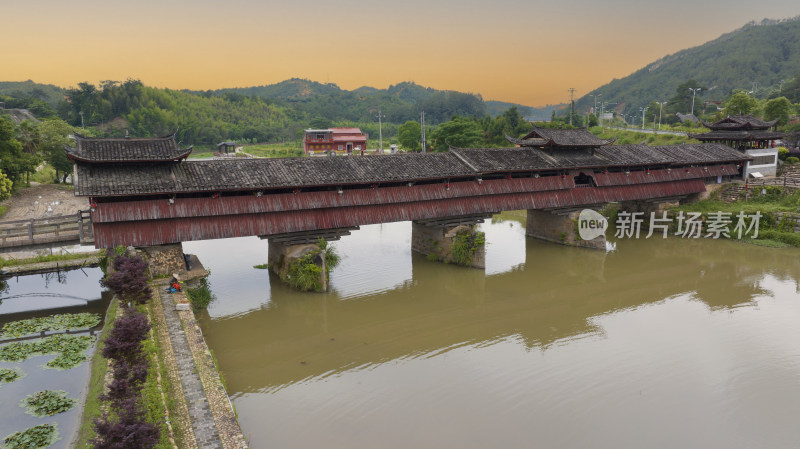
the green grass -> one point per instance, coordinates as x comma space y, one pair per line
772, 233
262, 266
153, 404
288, 149
200, 296
47, 258
170, 390
766, 243
46, 175
632, 137
3, 210
91, 408
773, 201
274, 150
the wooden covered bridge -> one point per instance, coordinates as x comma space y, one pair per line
143, 192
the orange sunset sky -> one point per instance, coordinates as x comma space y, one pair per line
523, 51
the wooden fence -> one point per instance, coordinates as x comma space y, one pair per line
38, 231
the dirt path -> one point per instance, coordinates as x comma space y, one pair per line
43, 200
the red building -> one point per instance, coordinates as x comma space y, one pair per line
338, 140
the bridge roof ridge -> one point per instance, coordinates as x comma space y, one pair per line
92, 150
455, 151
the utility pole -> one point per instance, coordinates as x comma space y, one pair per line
660, 109
571, 104
643, 111
422, 131
380, 132
594, 111
694, 92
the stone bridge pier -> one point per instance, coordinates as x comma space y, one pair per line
560, 226
292, 253
451, 240
657, 205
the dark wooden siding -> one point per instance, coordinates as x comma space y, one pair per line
215, 225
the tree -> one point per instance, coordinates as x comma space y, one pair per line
13, 161
592, 120
129, 280
740, 104
28, 135
458, 132
54, 139
5, 188
778, 108
409, 135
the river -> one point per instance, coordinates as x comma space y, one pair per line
658, 344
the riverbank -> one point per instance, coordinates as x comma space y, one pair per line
779, 210
183, 394
49, 263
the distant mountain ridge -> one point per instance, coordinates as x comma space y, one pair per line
399, 102
763, 52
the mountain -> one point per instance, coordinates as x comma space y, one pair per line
398, 103
496, 108
25, 89
764, 53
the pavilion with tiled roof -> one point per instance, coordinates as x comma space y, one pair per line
91, 150
742, 132
749, 134
549, 138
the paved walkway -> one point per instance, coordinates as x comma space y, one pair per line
205, 430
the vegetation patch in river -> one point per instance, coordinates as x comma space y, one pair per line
48, 403
33, 438
70, 349
65, 321
200, 296
9, 375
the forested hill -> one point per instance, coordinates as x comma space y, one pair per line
263, 114
764, 53
398, 103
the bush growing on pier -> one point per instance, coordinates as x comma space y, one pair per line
129, 280
304, 274
465, 244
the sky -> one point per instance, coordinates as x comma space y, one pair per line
522, 51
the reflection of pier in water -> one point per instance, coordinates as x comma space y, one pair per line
552, 297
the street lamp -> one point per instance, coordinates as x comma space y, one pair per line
660, 109
595, 103
694, 92
643, 111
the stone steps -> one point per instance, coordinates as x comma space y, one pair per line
732, 193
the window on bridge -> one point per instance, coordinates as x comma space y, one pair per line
584, 180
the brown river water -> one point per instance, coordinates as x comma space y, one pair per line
670, 343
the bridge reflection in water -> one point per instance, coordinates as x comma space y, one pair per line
556, 345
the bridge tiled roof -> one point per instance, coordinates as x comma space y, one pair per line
126, 150
739, 122
255, 174
522, 159
739, 135
248, 174
572, 138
